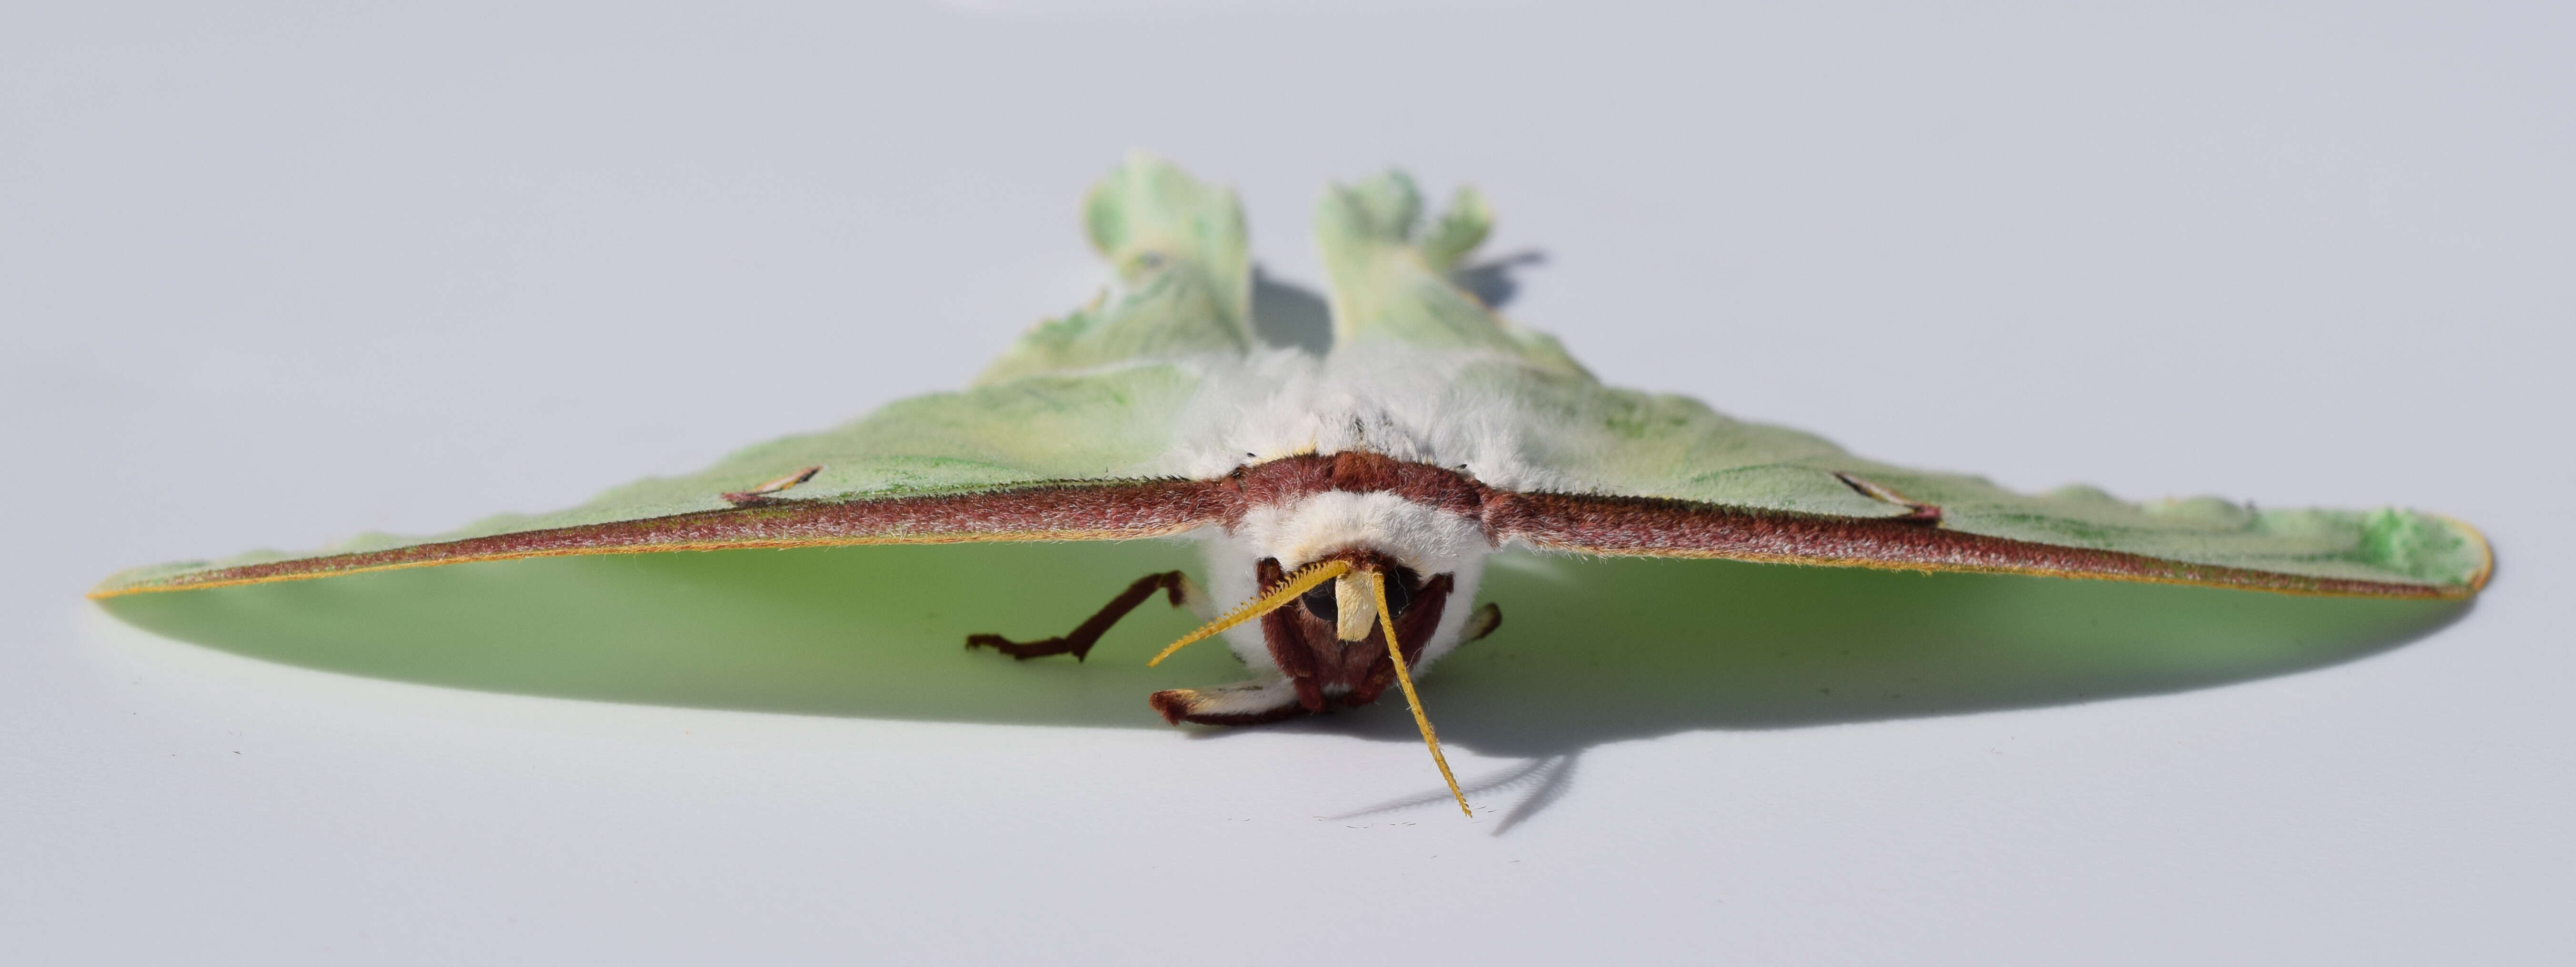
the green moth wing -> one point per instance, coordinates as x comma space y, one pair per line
1071, 435
1074, 415
1067, 449
1184, 268
1629, 451
1390, 279
1622, 445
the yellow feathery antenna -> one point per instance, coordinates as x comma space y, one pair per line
1301, 582
1404, 677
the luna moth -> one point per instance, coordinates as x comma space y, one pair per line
1345, 501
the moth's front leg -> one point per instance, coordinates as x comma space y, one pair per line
1182, 591
1242, 703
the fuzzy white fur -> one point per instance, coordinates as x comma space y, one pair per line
1407, 402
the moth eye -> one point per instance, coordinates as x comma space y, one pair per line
1399, 590
1319, 602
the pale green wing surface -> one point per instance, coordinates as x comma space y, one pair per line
1184, 278
1390, 279
1088, 398
1689, 454
1036, 432
1588, 439
1629, 444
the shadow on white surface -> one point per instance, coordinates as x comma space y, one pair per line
1537, 784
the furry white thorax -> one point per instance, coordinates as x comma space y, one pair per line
1407, 402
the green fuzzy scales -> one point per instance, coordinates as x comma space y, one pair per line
1100, 395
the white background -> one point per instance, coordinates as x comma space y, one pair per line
279, 274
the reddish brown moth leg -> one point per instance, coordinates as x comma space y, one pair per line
1242, 703
1079, 641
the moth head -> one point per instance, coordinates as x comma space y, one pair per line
1346, 595
1349, 591
1348, 602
